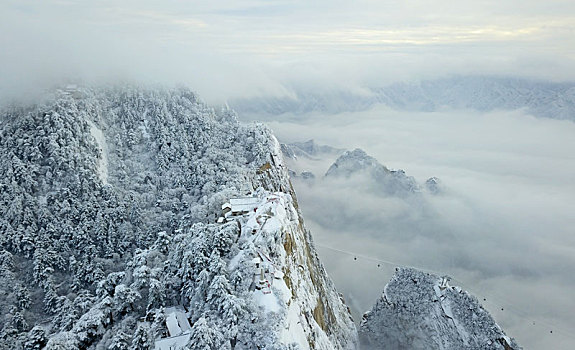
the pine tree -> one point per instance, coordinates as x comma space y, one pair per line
119, 341
205, 336
36, 339
141, 339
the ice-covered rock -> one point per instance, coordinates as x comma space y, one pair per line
433, 185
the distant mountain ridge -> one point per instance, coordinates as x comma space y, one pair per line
481, 93
357, 162
308, 149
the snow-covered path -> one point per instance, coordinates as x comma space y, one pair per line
103, 161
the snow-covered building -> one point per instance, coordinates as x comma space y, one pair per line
179, 330
243, 205
226, 208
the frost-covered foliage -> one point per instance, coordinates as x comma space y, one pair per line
95, 186
421, 311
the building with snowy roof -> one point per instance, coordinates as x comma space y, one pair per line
243, 205
179, 330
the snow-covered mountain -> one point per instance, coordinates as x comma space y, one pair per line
482, 93
419, 310
141, 218
300, 155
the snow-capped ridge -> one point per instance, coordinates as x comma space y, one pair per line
481, 93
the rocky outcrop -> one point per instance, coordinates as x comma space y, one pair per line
419, 310
389, 182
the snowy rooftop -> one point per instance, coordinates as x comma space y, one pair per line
179, 330
244, 204
177, 321
173, 343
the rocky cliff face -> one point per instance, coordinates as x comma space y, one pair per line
312, 315
419, 310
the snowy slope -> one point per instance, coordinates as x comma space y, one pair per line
421, 311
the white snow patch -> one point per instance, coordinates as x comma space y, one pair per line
294, 331
277, 153
285, 292
173, 343
144, 128
103, 161
234, 262
268, 301
177, 321
172, 324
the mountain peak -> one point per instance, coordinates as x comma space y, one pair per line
351, 162
142, 216
358, 162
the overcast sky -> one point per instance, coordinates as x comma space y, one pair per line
228, 48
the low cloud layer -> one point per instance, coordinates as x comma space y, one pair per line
503, 228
